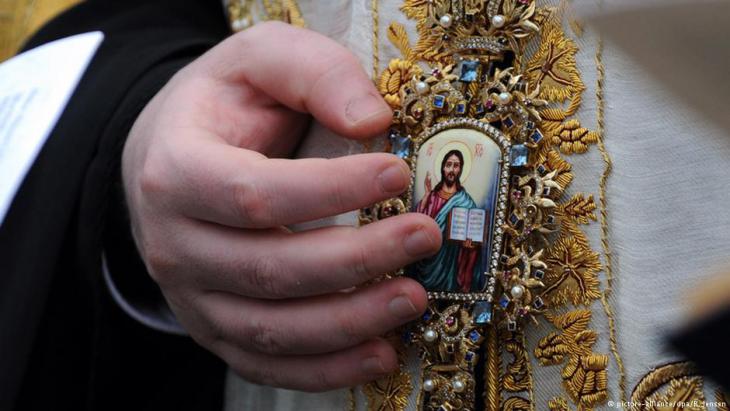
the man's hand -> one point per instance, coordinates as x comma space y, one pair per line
209, 204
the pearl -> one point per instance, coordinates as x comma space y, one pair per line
430, 335
422, 87
429, 385
238, 25
517, 291
458, 385
498, 21
504, 98
445, 21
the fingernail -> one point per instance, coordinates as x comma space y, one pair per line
403, 308
394, 179
365, 107
418, 243
373, 365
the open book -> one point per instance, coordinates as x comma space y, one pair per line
467, 224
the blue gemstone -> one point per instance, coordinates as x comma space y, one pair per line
439, 101
482, 313
518, 155
514, 219
460, 108
530, 125
550, 219
512, 326
427, 316
542, 169
539, 303
508, 122
469, 71
536, 137
400, 145
479, 109
539, 274
474, 336
504, 301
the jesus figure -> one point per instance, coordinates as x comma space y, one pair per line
456, 266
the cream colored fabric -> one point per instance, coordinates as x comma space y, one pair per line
666, 202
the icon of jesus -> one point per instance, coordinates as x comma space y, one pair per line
457, 265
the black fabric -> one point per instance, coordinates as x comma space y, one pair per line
64, 343
704, 344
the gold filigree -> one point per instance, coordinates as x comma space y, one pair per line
572, 273
584, 373
553, 67
389, 393
572, 138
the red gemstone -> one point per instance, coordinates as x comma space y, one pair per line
490, 104
450, 321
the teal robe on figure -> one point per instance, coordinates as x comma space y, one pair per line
440, 272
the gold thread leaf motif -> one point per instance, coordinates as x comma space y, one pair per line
584, 372
572, 273
579, 208
572, 138
553, 67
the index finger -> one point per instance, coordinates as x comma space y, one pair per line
304, 71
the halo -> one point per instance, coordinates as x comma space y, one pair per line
454, 145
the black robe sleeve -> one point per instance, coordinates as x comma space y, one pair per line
64, 343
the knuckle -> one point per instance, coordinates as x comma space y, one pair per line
263, 375
264, 276
350, 328
160, 264
151, 181
251, 204
361, 264
322, 381
264, 337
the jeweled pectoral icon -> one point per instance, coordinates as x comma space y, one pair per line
457, 176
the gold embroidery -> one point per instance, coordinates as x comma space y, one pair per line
492, 383
572, 274
579, 208
721, 399
516, 377
284, 10
584, 372
567, 271
390, 393
572, 138
671, 387
241, 12
558, 404
608, 269
553, 67
516, 404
